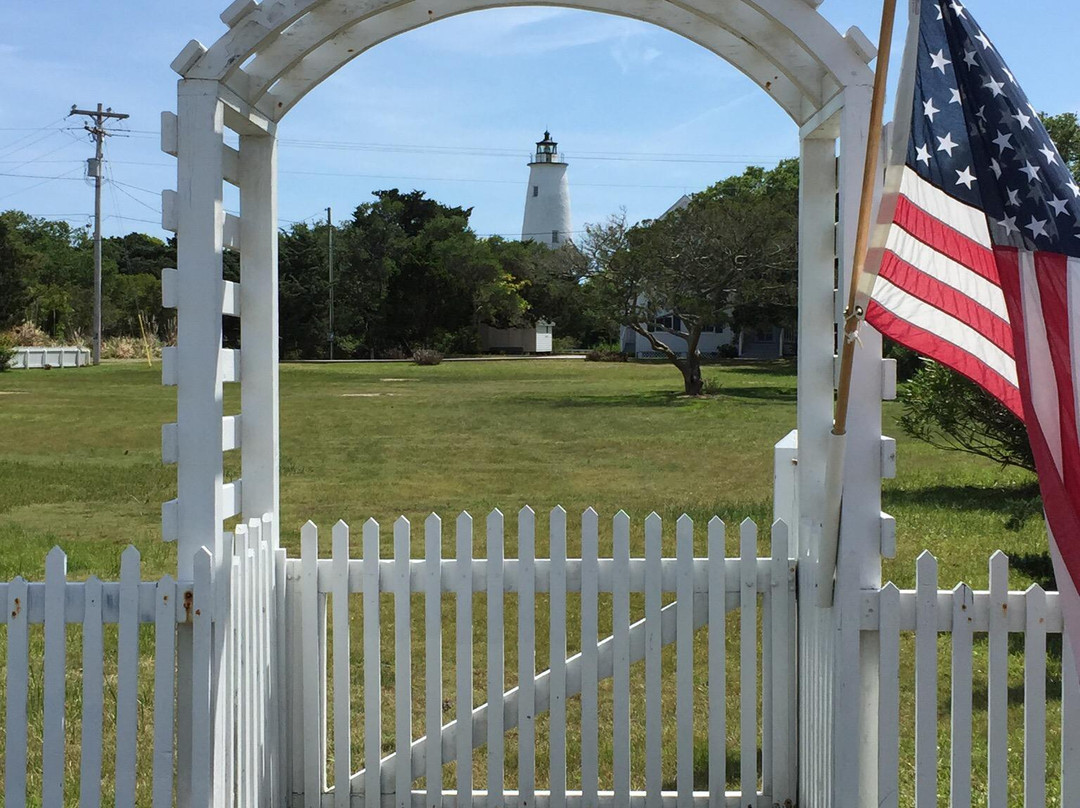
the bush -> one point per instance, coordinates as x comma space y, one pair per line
561, 345
28, 335
604, 354
129, 347
7, 352
711, 386
728, 351
947, 410
426, 356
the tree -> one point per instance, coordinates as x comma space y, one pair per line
732, 248
1064, 130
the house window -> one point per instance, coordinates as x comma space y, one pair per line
554, 236
536, 190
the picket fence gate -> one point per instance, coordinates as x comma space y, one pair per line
705, 590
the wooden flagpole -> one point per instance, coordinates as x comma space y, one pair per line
853, 317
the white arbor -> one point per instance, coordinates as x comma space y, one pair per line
275, 52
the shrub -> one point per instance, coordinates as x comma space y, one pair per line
604, 354
7, 352
728, 351
711, 386
426, 356
28, 335
563, 344
948, 411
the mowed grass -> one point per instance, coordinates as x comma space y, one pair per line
80, 467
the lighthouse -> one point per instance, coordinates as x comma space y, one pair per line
547, 199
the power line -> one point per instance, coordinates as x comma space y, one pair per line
45, 180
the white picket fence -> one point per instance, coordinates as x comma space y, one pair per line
212, 710
962, 613
705, 590
41, 656
271, 704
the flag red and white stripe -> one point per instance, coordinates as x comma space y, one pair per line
977, 254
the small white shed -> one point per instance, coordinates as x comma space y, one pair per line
534, 340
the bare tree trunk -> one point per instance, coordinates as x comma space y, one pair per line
691, 371
690, 367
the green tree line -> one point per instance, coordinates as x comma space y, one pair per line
408, 273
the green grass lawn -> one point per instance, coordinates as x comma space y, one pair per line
80, 457
80, 467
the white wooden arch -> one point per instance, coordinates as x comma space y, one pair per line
274, 53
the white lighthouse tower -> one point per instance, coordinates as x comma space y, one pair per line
547, 199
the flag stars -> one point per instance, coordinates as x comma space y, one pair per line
1010, 76
946, 144
1049, 154
1037, 228
996, 87
1032, 171
1014, 197
922, 155
995, 166
929, 110
969, 59
1009, 225
955, 96
1060, 206
939, 61
1023, 120
957, 8
1072, 186
1002, 141
981, 37
966, 178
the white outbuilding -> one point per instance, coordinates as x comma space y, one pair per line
547, 198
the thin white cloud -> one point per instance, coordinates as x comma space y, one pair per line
500, 33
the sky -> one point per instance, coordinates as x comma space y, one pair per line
453, 109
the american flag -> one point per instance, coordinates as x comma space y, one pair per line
980, 268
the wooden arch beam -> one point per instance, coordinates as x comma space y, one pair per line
333, 53
287, 47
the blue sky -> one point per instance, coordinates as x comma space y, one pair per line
641, 114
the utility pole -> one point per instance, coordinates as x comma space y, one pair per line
330, 268
99, 133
